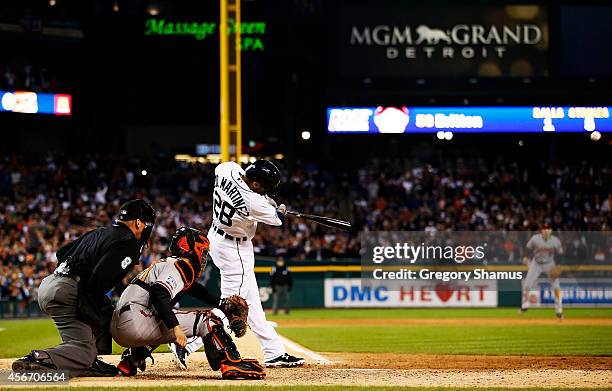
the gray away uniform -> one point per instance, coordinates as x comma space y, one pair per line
135, 320
543, 261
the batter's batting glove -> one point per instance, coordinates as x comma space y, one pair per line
282, 209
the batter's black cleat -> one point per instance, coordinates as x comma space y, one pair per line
560, 315
285, 361
180, 355
522, 310
37, 360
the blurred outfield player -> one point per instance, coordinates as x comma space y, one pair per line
240, 201
543, 246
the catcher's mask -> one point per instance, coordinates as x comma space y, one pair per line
192, 244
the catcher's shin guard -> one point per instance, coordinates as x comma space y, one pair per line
133, 359
222, 353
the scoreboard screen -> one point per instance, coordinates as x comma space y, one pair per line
524, 119
35, 103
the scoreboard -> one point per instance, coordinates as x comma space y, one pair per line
34, 103
508, 119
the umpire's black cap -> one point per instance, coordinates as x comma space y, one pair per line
137, 209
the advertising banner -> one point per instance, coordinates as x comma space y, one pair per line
576, 292
35, 103
395, 39
354, 292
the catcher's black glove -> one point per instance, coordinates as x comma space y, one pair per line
237, 310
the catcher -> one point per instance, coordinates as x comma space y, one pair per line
144, 317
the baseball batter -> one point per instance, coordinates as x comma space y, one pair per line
144, 317
240, 202
544, 246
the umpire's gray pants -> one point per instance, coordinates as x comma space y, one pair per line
57, 297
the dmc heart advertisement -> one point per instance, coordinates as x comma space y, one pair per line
354, 292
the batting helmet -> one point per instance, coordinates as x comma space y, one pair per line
193, 245
265, 173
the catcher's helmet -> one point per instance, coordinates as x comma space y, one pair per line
265, 173
192, 244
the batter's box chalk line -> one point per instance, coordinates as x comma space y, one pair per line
302, 350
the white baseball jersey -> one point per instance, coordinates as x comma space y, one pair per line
236, 208
544, 250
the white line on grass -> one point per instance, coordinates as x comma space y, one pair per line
307, 352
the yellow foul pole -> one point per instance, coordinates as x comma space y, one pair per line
224, 77
231, 81
238, 87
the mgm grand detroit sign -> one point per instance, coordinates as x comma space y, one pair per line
460, 41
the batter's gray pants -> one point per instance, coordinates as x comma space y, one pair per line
57, 297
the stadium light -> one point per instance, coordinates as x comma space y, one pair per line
306, 135
153, 10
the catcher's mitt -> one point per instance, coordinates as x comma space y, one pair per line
237, 310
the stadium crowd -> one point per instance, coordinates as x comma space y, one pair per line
27, 76
47, 201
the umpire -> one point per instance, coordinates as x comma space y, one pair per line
281, 282
75, 295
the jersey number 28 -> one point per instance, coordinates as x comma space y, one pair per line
223, 210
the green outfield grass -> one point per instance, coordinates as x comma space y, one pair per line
442, 313
486, 340
18, 337
555, 339
316, 388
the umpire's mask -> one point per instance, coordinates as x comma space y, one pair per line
139, 210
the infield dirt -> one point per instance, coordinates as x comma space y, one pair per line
380, 369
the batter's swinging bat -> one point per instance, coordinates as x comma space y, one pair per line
326, 221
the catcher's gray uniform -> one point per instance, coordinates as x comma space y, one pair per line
135, 322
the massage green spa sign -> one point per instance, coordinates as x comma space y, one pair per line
252, 32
